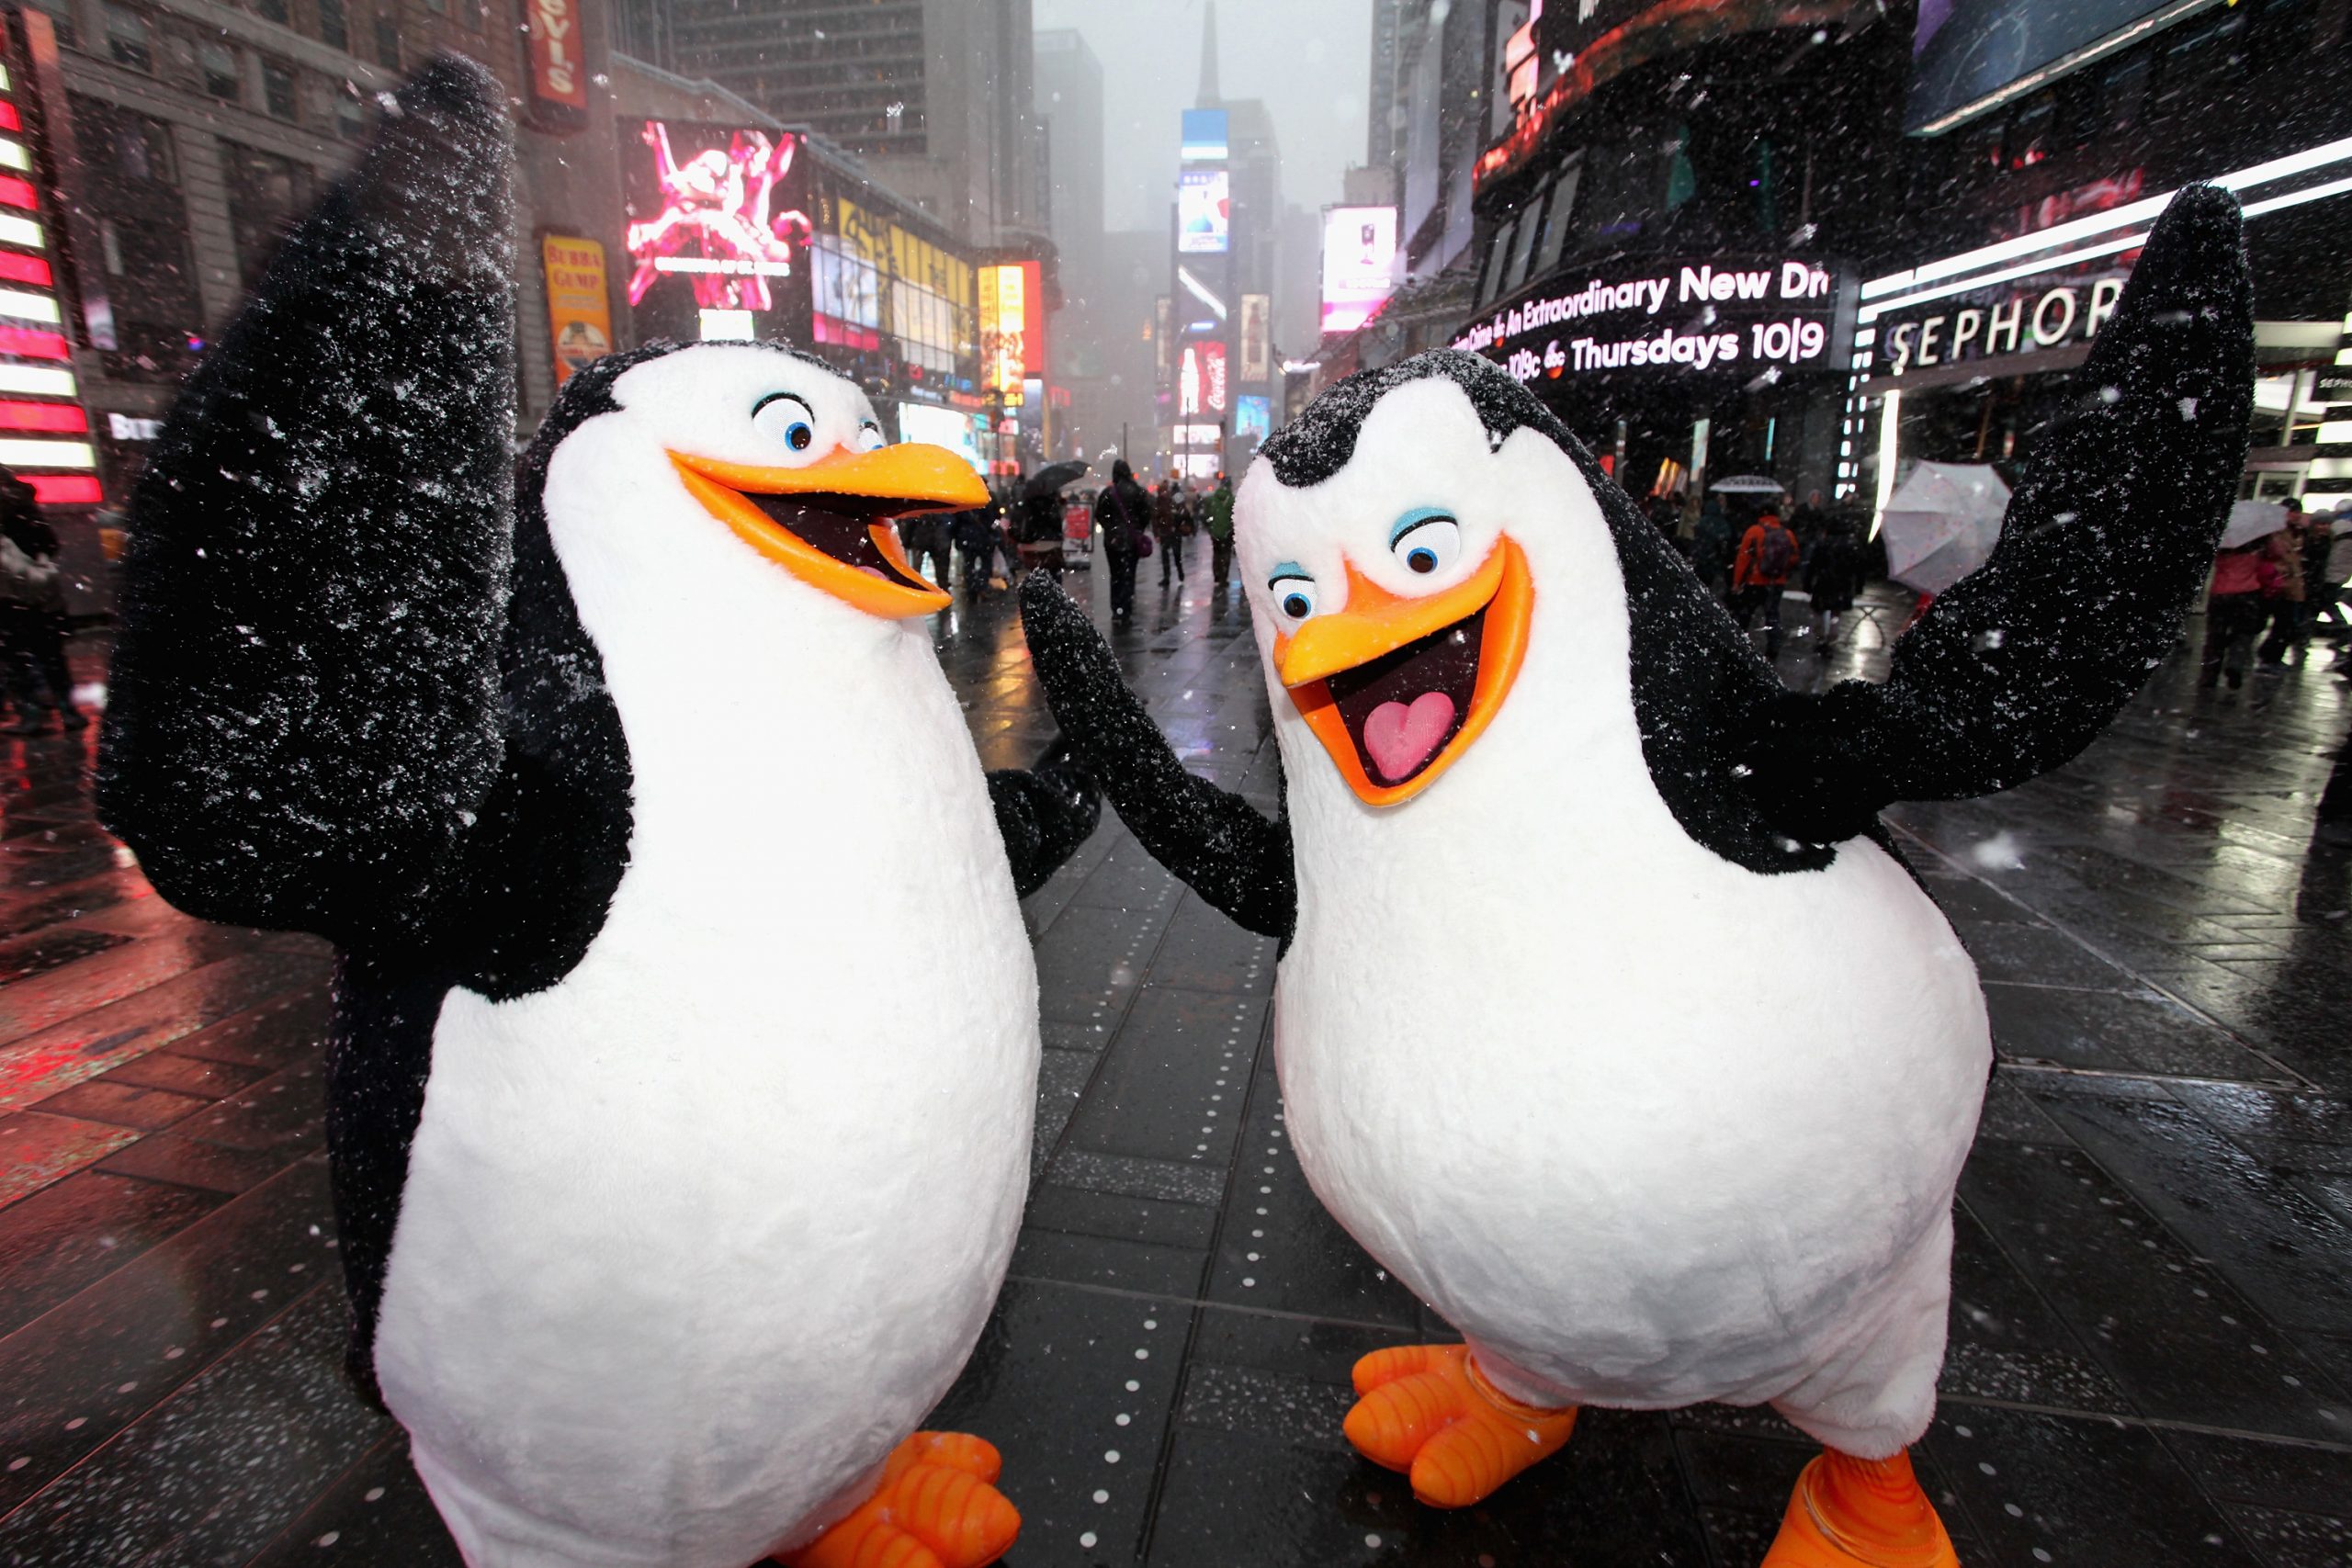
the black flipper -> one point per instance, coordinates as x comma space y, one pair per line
1212, 838
2016, 668
304, 712
1044, 814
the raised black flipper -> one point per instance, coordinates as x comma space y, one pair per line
1216, 842
304, 713
1044, 814
2017, 667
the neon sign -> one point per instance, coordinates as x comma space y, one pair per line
716, 218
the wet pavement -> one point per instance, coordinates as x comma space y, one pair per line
2152, 1335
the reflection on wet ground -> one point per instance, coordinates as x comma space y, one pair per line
2151, 1341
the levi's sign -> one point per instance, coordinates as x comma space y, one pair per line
1670, 316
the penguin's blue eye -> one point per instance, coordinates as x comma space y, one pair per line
1426, 540
781, 416
1294, 595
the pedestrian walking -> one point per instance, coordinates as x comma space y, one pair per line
2235, 607
2284, 608
32, 614
1167, 526
974, 532
1219, 507
1121, 513
1833, 575
1768, 554
1711, 546
924, 535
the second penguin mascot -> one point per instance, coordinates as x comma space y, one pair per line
668, 1205
1533, 770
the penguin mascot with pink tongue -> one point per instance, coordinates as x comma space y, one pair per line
667, 1205
1532, 773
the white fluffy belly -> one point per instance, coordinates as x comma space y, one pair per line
692, 1240
1669, 1148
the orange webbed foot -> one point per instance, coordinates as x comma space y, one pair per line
1859, 1513
1426, 1411
935, 1507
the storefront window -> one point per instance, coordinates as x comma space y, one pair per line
144, 261
1531, 224
1559, 214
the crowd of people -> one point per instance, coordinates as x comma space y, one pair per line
1029, 525
1750, 556
2271, 595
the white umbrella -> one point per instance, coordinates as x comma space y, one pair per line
1747, 484
1940, 524
2252, 519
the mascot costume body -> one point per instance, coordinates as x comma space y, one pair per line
668, 1208
1607, 1019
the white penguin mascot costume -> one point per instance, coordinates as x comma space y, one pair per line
668, 1207
1607, 1019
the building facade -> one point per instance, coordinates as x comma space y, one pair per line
2032, 186
178, 138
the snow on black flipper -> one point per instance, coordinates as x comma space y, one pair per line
1044, 814
2019, 665
305, 706
1212, 838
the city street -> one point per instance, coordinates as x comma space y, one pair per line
2151, 1355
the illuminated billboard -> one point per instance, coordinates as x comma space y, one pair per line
1200, 379
1004, 330
1257, 336
1253, 417
1359, 263
1203, 207
717, 220
941, 427
1966, 51
1205, 136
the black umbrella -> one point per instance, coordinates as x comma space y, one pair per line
1051, 477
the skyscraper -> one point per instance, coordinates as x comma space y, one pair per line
1069, 103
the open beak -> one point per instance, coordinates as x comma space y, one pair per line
827, 523
1396, 689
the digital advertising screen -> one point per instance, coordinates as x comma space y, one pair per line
1359, 263
1204, 210
1253, 417
1967, 49
1205, 136
941, 427
717, 230
1200, 379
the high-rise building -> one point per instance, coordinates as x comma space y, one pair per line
1070, 102
933, 94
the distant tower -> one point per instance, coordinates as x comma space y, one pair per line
1208, 97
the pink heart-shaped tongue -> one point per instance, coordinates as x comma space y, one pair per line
1400, 738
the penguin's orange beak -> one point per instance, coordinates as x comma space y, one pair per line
1398, 688
827, 523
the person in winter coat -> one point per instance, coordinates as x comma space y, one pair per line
1760, 575
1219, 510
2244, 581
1711, 546
2285, 609
1167, 527
1123, 514
1833, 575
32, 614
975, 535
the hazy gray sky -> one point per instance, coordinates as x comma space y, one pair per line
1308, 60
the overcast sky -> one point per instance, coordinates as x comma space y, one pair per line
1308, 60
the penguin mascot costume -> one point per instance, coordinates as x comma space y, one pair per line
669, 1206
1607, 1019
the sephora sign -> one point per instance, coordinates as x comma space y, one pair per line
1670, 318
2029, 317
